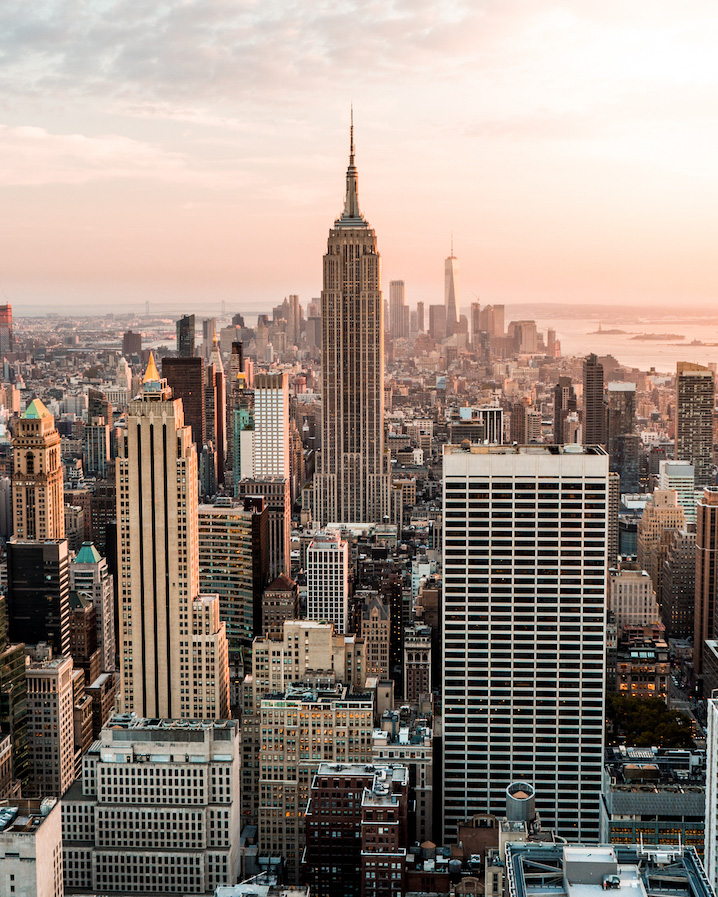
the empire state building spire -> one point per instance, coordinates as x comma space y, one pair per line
351, 216
352, 479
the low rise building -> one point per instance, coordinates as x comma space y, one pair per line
31, 848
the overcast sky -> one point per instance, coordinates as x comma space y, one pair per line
196, 151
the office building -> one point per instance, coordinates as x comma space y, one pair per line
132, 344
655, 796
491, 320
186, 378
632, 599
661, 515
681, 476
38, 593
564, 403
420, 320
185, 337
695, 396
86, 656
278, 500
280, 602
375, 629
90, 576
643, 669
50, 733
271, 426
451, 292
352, 479
594, 411
591, 869
437, 322
97, 447
524, 654
678, 589
7, 341
398, 310
31, 848
328, 580
704, 623
209, 331
157, 809
711, 795
417, 662
302, 727
620, 410
37, 482
161, 621
234, 564
216, 407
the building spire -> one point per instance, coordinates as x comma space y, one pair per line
351, 216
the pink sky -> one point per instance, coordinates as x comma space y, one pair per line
196, 151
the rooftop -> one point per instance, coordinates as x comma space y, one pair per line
534, 449
25, 816
35, 411
131, 721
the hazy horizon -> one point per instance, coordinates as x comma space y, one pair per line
196, 152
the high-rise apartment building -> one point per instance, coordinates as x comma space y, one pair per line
594, 409
271, 425
37, 483
186, 379
704, 623
352, 479
158, 562
451, 291
681, 476
157, 809
524, 552
695, 396
328, 580
185, 336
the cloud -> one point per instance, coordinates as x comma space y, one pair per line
33, 156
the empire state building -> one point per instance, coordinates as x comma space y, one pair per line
352, 482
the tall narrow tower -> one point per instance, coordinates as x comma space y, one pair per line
451, 290
695, 395
352, 483
37, 491
164, 624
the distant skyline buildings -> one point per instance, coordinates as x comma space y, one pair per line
451, 291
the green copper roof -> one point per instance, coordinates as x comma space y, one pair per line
88, 554
35, 411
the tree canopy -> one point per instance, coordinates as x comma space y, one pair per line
646, 722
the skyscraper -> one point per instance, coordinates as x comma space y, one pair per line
165, 626
185, 377
328, 581
594, 411
352, 483
524, 651
451, 291
704, 620
398, 310
185, 336
38, 593
564, 402
37, 477
695, 393
7, 342
271, 425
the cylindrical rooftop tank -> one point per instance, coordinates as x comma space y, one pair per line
520, 802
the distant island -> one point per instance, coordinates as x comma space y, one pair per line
600, 332
660, 337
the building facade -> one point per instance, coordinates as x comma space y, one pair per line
695, 396
523, 661
352, 479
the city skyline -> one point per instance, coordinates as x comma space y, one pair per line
157, 164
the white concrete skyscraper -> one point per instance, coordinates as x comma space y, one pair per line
524, 631
352, 479
173, 649
451, 291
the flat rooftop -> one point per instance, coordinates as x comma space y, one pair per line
533, 449
538, 869
130, 721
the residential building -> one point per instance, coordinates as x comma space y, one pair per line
520, 646
157, 809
